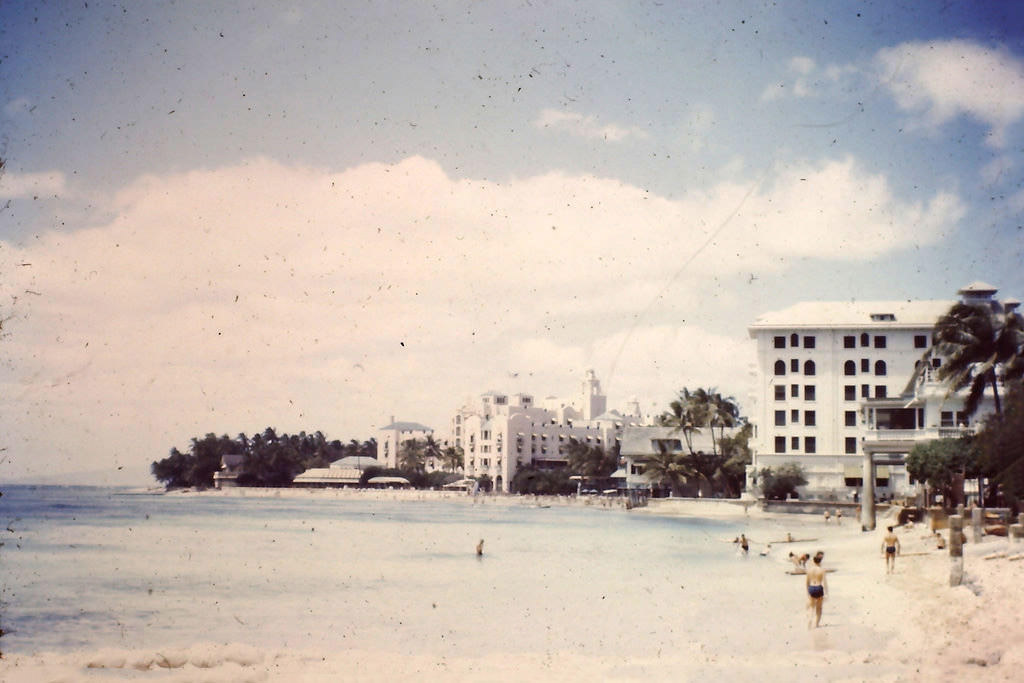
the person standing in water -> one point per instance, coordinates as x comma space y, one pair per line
480, 548
891, 548
817, 585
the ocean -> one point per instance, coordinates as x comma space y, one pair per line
83, 569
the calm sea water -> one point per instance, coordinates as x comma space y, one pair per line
90, 568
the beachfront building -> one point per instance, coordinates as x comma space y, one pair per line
342, 473
641, 443
394, 434
838, 382
501, 432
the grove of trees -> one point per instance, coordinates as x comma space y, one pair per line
723, 470
269, 459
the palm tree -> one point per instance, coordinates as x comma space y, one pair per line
411, 455
981, 342
431, 449
452, 457
684, 417
668, 466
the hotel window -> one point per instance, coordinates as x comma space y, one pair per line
880, 342
780, 392
794, 365
850, 392
794, 416
794, 340
851, 444
880, 391
808, 342
849, 342
851, 418
865, 339
809, 418
920, 341
880, 368
808, 392
794, 443
865, 365
950, 419
794, 390
780, 418
865, 391
809, 367
810, 444
780, 444
849, 368
780, 368
780, 342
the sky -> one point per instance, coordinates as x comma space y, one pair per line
219, 217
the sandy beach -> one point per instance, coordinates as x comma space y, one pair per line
908, 626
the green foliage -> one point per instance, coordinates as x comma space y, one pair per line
269, 459
668, 467
782, 482
999, 447
529, 479
590, 462
723, 469
938, 463
733, 473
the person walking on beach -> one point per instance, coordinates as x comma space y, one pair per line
817, 585
890, 548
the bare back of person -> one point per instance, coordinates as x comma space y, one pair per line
817, 586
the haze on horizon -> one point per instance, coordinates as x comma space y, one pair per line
218, 218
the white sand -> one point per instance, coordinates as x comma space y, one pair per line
909, 626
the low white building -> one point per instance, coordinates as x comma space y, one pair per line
641, 443
837, 382
503, 432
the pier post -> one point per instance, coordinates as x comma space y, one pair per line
956, 550
976, 525
867, 507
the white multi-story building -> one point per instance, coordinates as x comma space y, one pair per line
393, 435
502, 432
836, 382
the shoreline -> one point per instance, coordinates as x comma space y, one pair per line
907, 626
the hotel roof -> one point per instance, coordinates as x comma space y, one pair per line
853, 314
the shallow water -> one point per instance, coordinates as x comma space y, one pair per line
86, 568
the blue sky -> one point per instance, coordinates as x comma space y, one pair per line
219, 217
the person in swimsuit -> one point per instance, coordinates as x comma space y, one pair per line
744, 545
480, 548
817, 586
890, 549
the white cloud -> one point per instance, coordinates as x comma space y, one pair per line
586, 126
21, 185
945, 79
262, 294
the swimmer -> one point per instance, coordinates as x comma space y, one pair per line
817, 586
744, 544
890, 548
480, 548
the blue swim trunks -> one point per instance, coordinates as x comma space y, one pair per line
816, 591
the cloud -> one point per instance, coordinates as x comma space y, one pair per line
257, 294
945, 79
586, 126
21, 185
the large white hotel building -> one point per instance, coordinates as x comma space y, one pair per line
502, 432
836, 382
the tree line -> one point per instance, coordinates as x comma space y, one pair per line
268, 458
